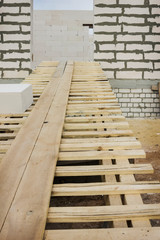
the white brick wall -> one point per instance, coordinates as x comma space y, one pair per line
138, 102
15, 61
130, 36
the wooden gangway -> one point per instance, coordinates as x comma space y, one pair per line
73, 142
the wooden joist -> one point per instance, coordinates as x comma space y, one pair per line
76, 121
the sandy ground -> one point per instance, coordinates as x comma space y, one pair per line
147, 131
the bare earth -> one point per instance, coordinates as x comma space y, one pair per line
147, 131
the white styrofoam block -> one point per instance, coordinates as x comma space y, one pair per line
15, 98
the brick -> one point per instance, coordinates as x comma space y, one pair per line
125, 95
10, 46
147, 90
142, 95
125, 110
156, 29
153, 105
132, 2
136, 100
25, 10
152, 38
26, 28
25, 46
107, 10
119, 95
135, 110
124, 105
155, 19
129, 38
154, 95
19, 19
155, 11
110, 74
130, 114
123, 100
144, 47
136, 105
148, 100
107, 28
128, 75
103, 37
157, 47
9, 10
152, 75
130, 104
17, 37
142, 115
124, 90
130, 95
113, 65
152, 56
147, 110
7, 64
129, 56
16, 56
140, 65
9, 28
141, 105
98, 19
130, 20
136, 11
15, 74
156, 2
104, 56
114, 47
116, 90
153, 114
136, 90
135, 29
148, 95
26, 64
157, 65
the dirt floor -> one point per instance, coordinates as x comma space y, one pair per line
147, 131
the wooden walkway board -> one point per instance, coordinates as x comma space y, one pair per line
73, 132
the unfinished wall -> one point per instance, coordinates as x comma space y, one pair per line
127, 43
15, 37
60, 35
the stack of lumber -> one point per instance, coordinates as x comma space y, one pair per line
75, 131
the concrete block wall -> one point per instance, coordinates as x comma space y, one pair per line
127, 44
127, 38
60, 35
140, 103
15, 38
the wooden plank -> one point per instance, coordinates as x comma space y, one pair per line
108, 133
110, 118
99, 155
103, 213
99, 146
14, 163
98, 140
33, 204
84, 126
104, 234
93, 189
96, 170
